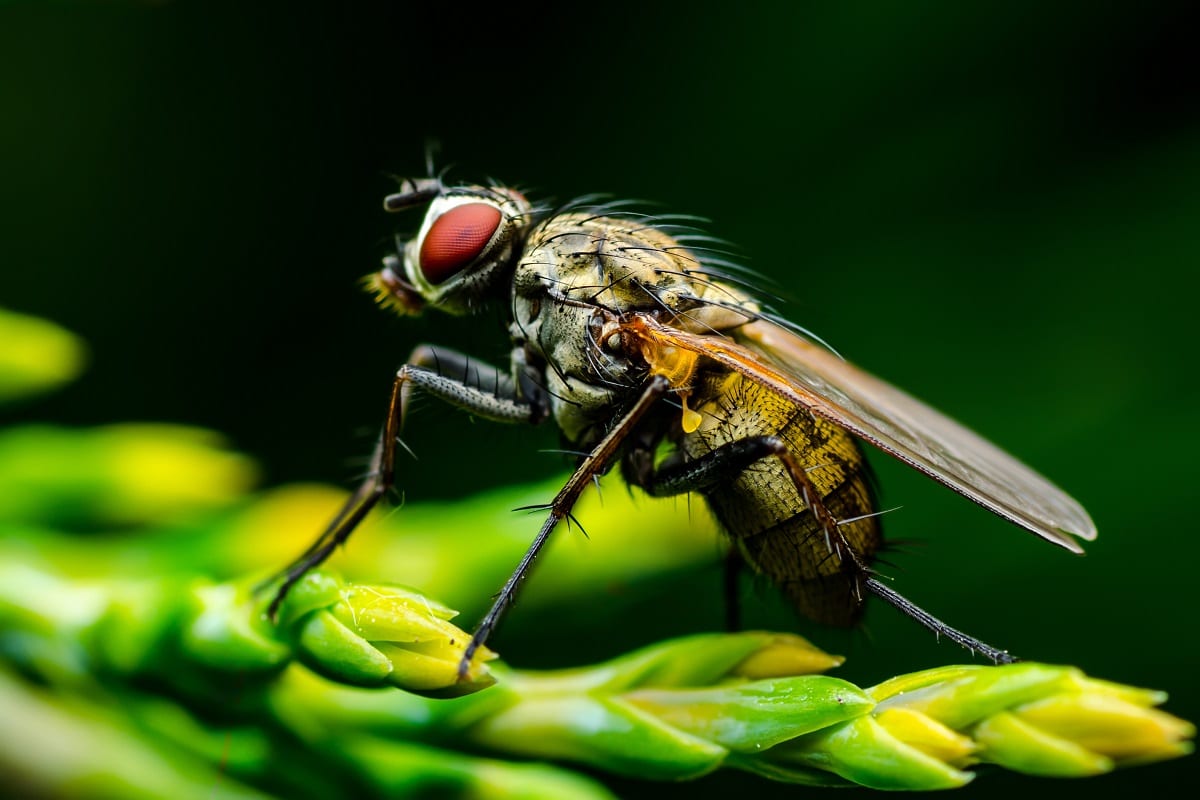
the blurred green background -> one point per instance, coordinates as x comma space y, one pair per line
993, 205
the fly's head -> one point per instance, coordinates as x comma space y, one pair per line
463, 253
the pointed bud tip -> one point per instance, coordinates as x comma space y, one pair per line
784, 655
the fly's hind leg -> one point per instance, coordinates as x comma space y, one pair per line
481, 389
730, 460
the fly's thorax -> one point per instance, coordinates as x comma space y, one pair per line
577, 279
588, 374
625, 265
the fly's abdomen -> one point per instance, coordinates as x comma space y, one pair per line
767, 515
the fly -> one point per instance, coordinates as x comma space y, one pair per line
652, 358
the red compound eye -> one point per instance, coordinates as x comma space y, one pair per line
456, 238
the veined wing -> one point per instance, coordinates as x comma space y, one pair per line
890, 419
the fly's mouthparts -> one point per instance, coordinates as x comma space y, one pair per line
394, 291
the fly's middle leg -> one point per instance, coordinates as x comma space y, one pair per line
479, 388
594, 464
722, 465
728, 462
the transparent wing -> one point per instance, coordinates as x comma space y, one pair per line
892, 420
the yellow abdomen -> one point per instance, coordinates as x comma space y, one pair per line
765, 513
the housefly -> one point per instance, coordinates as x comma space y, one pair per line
651, 356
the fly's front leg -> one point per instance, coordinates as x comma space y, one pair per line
479, 388
595, 464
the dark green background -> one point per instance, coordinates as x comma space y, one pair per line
994, 205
